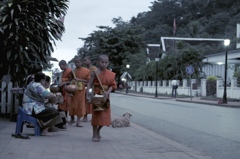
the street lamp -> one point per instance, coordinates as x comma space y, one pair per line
127, 66
156, 92
226, 43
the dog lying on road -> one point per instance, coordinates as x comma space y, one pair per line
122, 122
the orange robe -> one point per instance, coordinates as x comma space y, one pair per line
66, 76
103, 118
78, 100
89, 106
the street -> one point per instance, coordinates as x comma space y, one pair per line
211, 130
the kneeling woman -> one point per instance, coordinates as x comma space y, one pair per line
33, 103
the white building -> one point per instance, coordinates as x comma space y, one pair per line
218, 64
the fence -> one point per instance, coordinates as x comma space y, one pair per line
11, 97
197, 87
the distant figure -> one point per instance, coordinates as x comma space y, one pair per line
120, 87
174, 88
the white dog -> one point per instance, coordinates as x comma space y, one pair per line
122, 122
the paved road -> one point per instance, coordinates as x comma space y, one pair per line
211, 130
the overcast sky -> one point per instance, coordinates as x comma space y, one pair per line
83, 17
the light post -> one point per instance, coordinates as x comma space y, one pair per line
156, 92
226, 43
127, 66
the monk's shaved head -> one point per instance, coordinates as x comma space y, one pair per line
78, 58
87, 58
62, 62
102, 57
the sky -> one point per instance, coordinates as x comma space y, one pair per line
83, 17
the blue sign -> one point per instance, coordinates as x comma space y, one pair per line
189, 70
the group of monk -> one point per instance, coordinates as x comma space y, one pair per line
78, 104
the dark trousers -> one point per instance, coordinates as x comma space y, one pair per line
63, 119
47, 114
174, 91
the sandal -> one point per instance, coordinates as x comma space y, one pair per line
21, 136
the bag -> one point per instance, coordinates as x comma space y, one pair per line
76, 83
100, 102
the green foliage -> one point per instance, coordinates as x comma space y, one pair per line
146, 71
211, 78
173, 66
28, 32
198, 19
119, 43
237, 73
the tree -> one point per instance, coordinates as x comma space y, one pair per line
173, 65
118, 43
28, 31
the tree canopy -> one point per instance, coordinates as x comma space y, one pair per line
120, 43
28, 31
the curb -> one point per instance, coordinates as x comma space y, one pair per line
143, 95
179, 100
202, 102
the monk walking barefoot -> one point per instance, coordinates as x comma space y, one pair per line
80, 76
101, 79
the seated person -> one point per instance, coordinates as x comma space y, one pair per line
63, 121
33, 103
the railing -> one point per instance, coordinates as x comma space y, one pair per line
198, 87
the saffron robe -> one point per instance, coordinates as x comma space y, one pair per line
66, 77
89, 106
103, 118
78, 100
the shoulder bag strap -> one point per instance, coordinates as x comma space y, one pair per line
73, 74
99, 81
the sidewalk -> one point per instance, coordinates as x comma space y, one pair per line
134, 142
230, 104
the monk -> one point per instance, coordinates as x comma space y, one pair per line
80, 77
65, 79
88, 63
107, 78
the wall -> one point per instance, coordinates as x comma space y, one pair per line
164, 87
